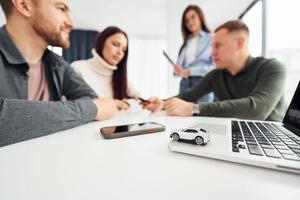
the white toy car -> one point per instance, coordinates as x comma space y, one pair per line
199, 135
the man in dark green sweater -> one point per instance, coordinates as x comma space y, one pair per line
247, 87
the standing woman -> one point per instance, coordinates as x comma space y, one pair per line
194, 60
106, 71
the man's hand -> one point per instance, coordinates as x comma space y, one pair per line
106, 108
122, 104
178, 107
155, 105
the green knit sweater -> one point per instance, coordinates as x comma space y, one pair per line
254, 93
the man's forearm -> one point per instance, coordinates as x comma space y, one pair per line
22, 120
245, 108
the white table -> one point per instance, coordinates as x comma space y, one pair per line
78, 164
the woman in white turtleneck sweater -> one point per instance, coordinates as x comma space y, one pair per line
106, 71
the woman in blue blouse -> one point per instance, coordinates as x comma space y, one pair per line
194, 60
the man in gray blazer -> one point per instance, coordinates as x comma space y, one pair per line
34, 79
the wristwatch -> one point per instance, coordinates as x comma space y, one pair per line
195, 109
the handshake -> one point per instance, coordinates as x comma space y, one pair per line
107, 107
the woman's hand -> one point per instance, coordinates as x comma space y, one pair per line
185, 73
177, 68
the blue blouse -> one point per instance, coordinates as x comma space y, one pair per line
203, 62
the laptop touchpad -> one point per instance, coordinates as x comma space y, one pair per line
212, 128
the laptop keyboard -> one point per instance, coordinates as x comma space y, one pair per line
264, 139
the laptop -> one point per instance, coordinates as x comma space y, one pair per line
265, 144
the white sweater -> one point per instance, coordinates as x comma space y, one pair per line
98, 75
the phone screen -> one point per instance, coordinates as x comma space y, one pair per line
131, 129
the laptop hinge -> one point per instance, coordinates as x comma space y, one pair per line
292, 129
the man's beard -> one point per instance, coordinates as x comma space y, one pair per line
43, 28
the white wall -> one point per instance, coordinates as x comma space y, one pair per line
284, 40
136, 17
2, 18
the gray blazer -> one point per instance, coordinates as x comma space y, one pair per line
21, 119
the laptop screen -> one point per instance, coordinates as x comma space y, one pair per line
292, 116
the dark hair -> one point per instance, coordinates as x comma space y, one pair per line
6, 7
184, 30
234, 25
119, 78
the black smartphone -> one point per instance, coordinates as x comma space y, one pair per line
111, 132
168, 58
143, 100
171, 62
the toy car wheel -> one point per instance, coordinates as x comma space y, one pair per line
199, 140
175, 137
